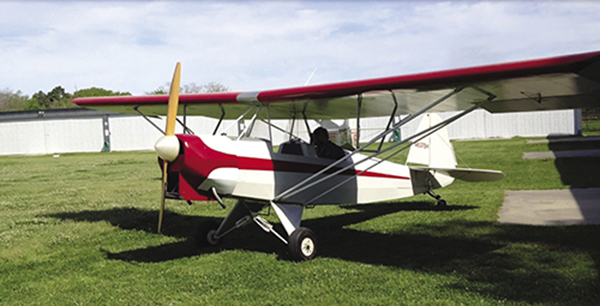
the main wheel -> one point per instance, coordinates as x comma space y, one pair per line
302, 244
205, 234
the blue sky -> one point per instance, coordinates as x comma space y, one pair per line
133, 46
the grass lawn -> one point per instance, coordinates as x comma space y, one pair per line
591, 127
80, 229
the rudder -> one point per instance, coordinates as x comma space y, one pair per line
434, 150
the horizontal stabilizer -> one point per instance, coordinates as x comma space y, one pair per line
466, 174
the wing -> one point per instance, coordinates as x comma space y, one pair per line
564, 82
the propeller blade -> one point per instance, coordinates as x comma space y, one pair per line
170, 131
162, 202
173, 102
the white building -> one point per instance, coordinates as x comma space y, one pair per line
81, 130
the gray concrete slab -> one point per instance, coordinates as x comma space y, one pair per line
565, 139
551, 207
561, 154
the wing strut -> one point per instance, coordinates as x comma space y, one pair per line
387, 127
240, 117
150, 121
186, 130
220, 119
358, 108
270, 124
306, 122
269, 120
418, 137
246, 132
292, 128
306, 183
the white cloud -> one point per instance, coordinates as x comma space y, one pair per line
133, 46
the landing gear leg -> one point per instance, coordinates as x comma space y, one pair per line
302, 242
440, 202
240, 215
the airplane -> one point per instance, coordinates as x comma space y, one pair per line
286, 181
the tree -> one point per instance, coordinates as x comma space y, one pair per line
56, 98
58, 93
12, 101
190, 88
161, 90
215, 87
98, 92
41, 99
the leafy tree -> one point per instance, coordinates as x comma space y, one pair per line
41, 99
32, 104
11, 101
58, 93
98, 92
161, 90
56, 98
59, 98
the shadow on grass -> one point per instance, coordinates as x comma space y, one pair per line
516, 263
538, 264
333, 239
577, 172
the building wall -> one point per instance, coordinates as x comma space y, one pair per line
51, 136
133, 133
48, 136
481, 124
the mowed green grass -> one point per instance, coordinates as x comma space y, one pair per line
80, 230
591, 127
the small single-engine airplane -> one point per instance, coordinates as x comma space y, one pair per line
213, 167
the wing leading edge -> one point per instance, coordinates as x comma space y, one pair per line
564, 82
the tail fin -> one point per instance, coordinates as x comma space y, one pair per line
434, 151
437, 154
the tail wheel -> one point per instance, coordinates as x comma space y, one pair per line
303, 244
205, 234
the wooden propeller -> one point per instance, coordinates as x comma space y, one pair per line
169, 131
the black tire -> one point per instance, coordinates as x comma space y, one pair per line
302, 244
204, 234
442, 203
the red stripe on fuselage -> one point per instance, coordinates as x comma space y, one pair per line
205, 159
249, 163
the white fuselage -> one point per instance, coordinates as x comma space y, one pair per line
259, 173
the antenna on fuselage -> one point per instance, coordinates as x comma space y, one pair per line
310, 77
310, 136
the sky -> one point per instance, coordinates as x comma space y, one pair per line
248, 46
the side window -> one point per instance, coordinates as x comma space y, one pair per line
292, 148
297, 147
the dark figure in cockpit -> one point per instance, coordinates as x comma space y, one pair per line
326, 148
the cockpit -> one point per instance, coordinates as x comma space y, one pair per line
297, 147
